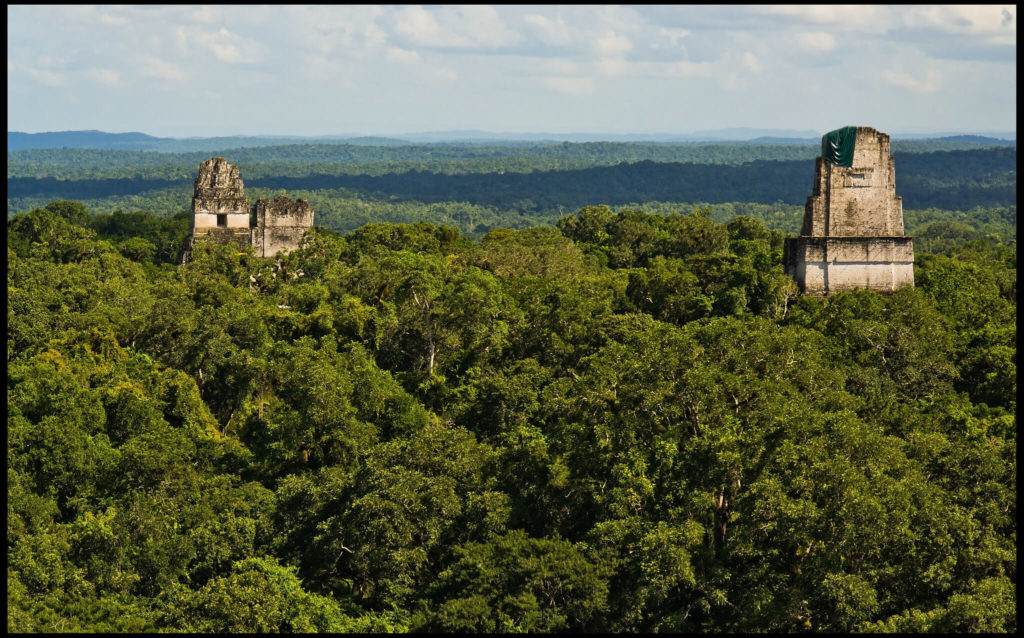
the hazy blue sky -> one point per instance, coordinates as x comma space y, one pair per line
228, 70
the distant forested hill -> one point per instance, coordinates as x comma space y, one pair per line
376, 156
80, 139
93, 139
944, 179
99, 140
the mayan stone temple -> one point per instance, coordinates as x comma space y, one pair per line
221, 214
852, 235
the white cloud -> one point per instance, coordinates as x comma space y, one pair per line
994, 24
113, 20
229, 47
326, 72
817, 40
448, 75
611, 44
752, 63
106, 77
674, 36
548, 31
419, 26
619, 18
570, 86
686, 69
866, 18
612, 66
206, 14
732, 81
49, 78
350, 31
181, 40
373, 35
484, 20
49, 61
154, 67
468, 27
402, 55
928, 84
559, 67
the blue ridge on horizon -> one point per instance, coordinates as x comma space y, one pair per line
135, 140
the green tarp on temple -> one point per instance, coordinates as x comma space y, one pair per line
837, 145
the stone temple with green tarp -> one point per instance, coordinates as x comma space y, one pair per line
852, 235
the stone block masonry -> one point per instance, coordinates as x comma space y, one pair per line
279, 225
221, 214
852, 235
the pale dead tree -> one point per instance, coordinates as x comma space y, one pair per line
424, 305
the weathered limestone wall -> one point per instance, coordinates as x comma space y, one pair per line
824, 265
284, 212
280, 225
267, 242
211, 220
852, 235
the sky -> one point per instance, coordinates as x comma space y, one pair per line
207, 70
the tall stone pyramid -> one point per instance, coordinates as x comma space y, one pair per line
852, 234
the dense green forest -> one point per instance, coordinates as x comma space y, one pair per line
629, 421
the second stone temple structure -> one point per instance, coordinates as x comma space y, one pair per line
221, 214
852, 234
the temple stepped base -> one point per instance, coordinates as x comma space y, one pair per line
825, 265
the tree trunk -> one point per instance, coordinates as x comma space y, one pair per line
721, 519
